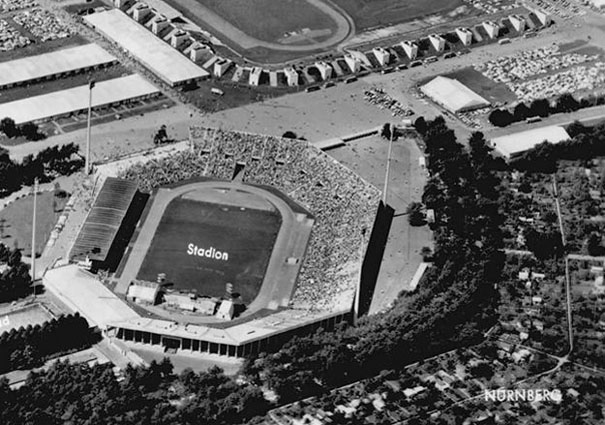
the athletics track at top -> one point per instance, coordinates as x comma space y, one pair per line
344, 27
280, 278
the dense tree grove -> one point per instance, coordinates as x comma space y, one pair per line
29, 347
84, 395
452, 306
15, 281
48, 164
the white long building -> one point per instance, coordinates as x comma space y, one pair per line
65, 102
515, 144
159, 57
67, 61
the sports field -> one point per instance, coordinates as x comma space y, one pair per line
270, 31
202, 246
271, 20
377, 13
30, 315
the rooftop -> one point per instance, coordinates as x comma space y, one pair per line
168, 63
516, 143
76, 99
52, 63
83, 292
453, 95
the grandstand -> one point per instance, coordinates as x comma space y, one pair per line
163, 60
100, 229
344, 205
54, 64
329, 216
453, 95
74, 100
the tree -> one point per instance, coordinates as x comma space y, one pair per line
420, 125
521, 112
30, 131
500, 117
415, 212
426, 253
566, 103
8, 127
386, 132
576, 128
289, 135
594, 246
539, 108
161, 136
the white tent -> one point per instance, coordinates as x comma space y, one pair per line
453, 95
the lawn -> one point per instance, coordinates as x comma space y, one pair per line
30, 315
245, 236
369, 14
270, 20
17, 221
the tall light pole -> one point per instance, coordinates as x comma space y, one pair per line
386, 174
91, 85
33, 253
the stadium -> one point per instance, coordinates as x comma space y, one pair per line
228, 247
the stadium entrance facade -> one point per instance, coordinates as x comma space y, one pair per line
240, 340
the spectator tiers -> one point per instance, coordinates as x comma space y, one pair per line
344, 205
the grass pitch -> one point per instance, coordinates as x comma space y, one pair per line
30, 315
270, 20
247, 236
378, 13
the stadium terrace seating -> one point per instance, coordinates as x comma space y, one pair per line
344, 205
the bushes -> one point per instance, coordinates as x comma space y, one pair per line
28, 130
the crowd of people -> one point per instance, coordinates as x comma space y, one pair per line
529, 63
10, 38
570, 81
343, 204
42, 24
377, 96
10, 5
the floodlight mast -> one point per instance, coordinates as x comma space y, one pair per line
91, 85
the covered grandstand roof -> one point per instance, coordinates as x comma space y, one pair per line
83, 292
453, 95
66, 60
76, 99
168, 63
516, 143
104, 219
239, 334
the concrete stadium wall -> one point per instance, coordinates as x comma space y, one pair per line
373, 258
